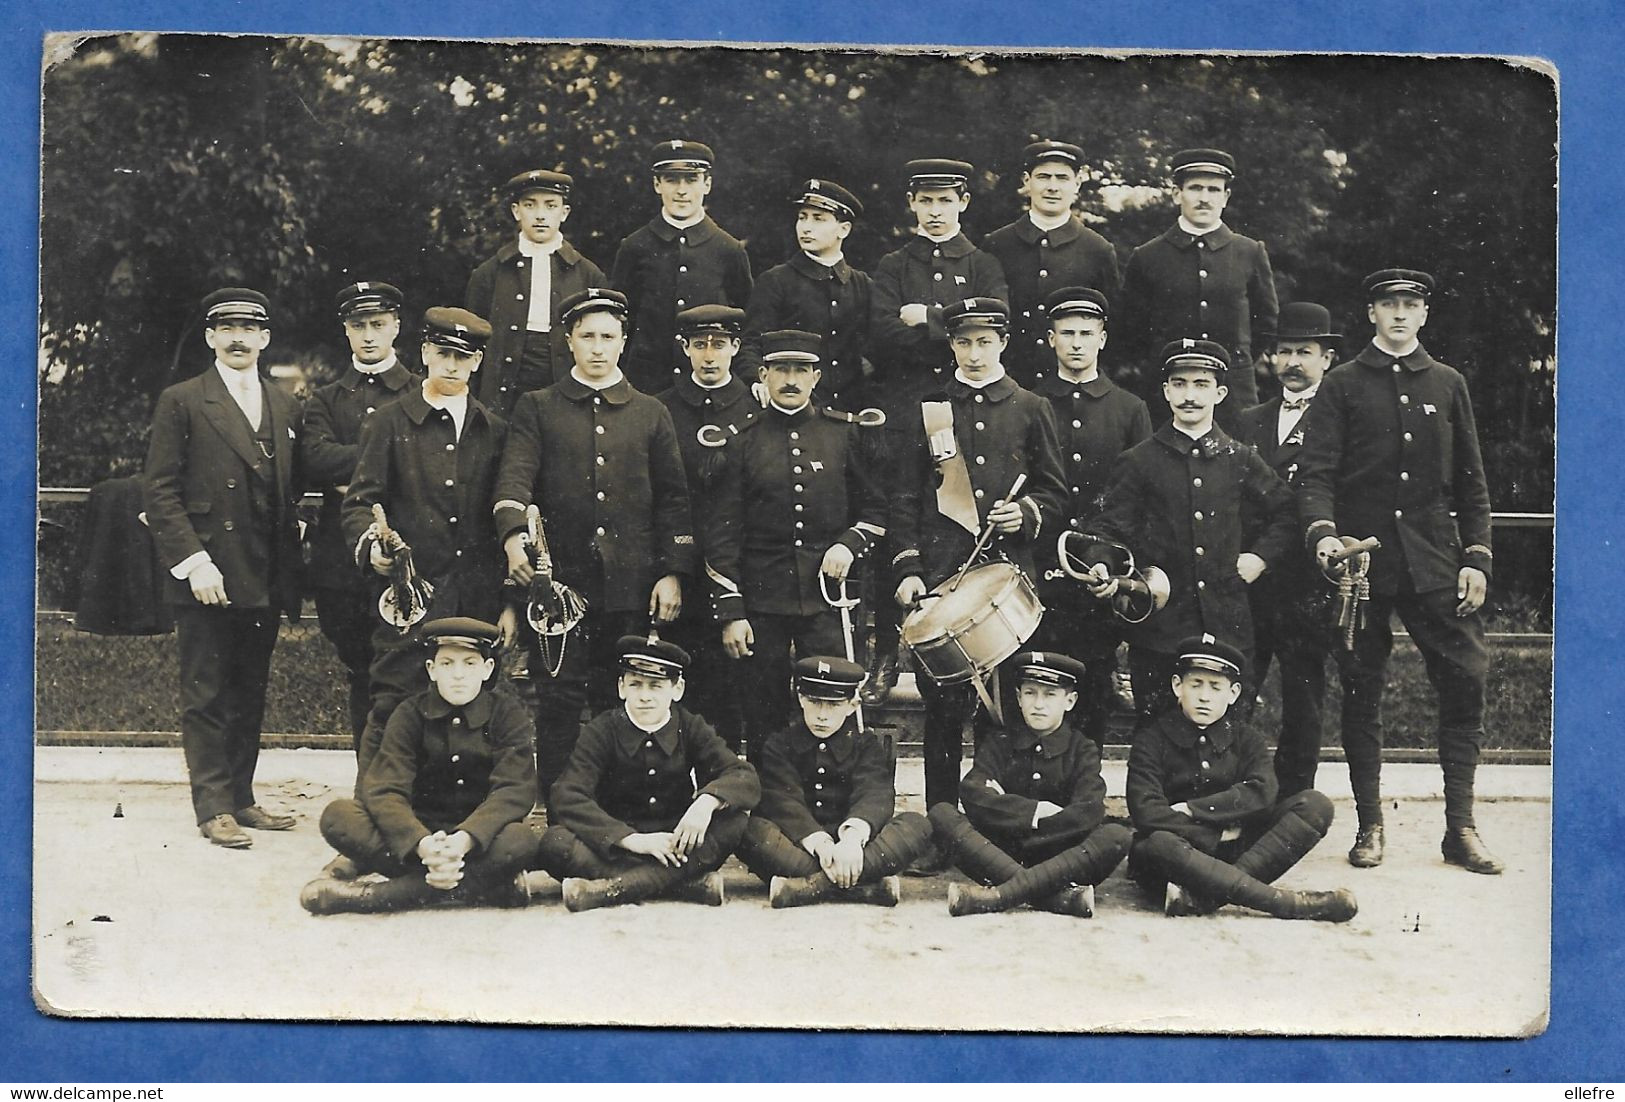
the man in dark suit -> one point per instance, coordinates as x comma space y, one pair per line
222, 489
1201, 280
346, 604
1292, 603
519, 290
1044, 250
1391, 450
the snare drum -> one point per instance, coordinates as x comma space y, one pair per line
970, 630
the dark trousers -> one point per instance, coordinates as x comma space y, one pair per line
225, 657
1302, 656
348, 618
1088, 633
563, 854
712, 687
535, 366
1454, 652
586, 677
992, 860
350, 829
768, 852
768, 701
948, 710
397, 672
1153, 675
1271, 842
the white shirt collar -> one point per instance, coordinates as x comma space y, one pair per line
1193, 231
441, 401
1089, 377
527, 247
1047, 222
235, 379
590, 385
937, 240
696, 220
1193, 435
1416, 342
375, 369
790, 412
695, 379
645, 729
830, 263
1302, 395
980, 383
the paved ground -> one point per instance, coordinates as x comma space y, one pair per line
136, 915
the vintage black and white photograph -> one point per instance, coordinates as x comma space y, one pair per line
722, 536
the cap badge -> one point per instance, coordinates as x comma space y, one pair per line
823, 667
676, 144
1187, 342
1206, 638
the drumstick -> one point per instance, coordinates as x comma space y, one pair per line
987, 532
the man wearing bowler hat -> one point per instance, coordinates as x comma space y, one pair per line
1291, 604
680, 258
1202, 280
1044, 250
1391, 450
222, 490
520, 288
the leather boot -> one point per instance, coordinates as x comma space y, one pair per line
1366, 853
881, 679
328, 896
799, 891
341, 868
973, 899
1335, 906
1077, 900
705, 890
1181, 902
631, 886
1462, 846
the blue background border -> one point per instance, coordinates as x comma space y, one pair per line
1585, 1038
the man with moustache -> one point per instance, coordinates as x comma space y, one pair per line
346, 603
1044, 250
1202, 280
222, 489
1291, 604
520, 288
1391, 450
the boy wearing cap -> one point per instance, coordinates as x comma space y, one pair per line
968, 444
1044, 250
795, 501
681, 258
346, 603
709, 406
652, 800
1391, 450
520, 288
430, 459
1291, 605
599, 458
1033, 829
223, 481
827, 828
1208, 829
1202, 279
1097, 421
1177, 501
442, 809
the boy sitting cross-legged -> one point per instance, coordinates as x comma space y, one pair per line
825, 829
1035, 804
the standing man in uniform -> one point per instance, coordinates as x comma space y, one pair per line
600, 460
1291, 604
796, 501
1391, 450
430, 459
1097, 421
970, 442
1177, 501
222, 488
520, 288
681, 258
1044, 250
346, 603
709, 406
911, 287
1203, 280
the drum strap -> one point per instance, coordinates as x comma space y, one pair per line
955, 499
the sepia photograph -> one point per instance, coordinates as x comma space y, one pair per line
728, 536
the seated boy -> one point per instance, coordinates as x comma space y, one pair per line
1034, 828
1201, 791
652, 800
825, 828
442, 806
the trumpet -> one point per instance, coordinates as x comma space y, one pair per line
553, 608
1092, 560
406, 599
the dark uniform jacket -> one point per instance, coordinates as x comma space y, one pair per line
1096, 422
911, 360
832, 301
121, 583
1015, 768
1216, 287
1293, 593
436, 492
446, 768
1223, 772
1392, 451
1038, 263
811, 784
699, 414
331, 447
662, 270
787, 488
1002, 431
1179, 504
605, 469
210, 487
623, 780
499, 292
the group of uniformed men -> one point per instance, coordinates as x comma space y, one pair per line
657, 486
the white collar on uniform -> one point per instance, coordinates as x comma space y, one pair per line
1193, 231
979, 383
1047, 222
590, 385
688, 224
1193, 435
1066, 375
645, 729
830, 263
237, 380
375, 369
529, 248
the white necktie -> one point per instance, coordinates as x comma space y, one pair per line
247, 393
